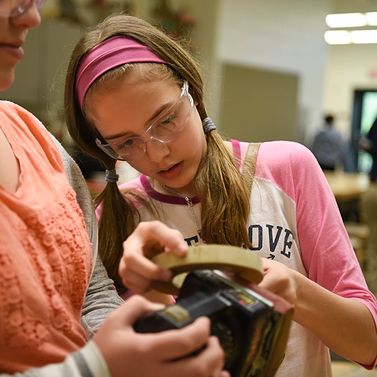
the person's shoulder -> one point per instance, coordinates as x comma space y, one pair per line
12, 107
282, 150
19, 115
287, 164
276, 158
279, 152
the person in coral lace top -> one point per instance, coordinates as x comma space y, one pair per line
54, 293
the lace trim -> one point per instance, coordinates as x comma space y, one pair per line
56, 251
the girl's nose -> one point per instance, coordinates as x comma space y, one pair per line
156, 150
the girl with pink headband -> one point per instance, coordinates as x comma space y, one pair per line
134, 94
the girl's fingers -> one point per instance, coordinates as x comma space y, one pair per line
155, 237
173, 344
136, 282
148, 239
142, 266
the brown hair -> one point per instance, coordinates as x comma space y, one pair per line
223, 192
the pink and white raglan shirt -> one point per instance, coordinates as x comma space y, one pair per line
294, 219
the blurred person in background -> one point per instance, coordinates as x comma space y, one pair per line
329, 146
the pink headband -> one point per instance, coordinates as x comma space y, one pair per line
109, 54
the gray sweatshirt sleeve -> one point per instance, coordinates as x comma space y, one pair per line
101, 298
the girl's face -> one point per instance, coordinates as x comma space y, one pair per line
134, 106
13, 32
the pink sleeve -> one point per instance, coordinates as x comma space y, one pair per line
324, 244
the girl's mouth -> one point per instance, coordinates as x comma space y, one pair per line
172, 172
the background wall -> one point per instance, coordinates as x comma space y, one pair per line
257, 104
231, 36
284, 37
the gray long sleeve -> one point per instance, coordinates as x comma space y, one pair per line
101, 298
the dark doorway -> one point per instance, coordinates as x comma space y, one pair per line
363, 114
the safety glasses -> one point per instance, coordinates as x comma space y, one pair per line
161, 131
15, 8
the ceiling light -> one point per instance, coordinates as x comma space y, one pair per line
371, 18
343, 37
338, 20
337, 37
363, 36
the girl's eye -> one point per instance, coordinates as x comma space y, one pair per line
128, 142
167, 120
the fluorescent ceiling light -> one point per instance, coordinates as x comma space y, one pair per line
342, 37
346, 20
363, 36
371, 18
337, 37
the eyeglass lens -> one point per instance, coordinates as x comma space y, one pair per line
162, 130
14, 8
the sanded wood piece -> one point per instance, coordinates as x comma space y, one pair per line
227, 258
